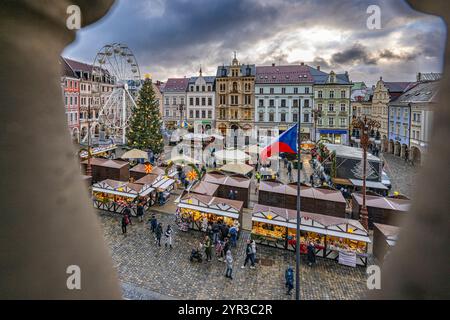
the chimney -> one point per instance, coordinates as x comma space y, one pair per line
419, 76
273, 64
302, 63
318, 68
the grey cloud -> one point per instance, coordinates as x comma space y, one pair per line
355, 54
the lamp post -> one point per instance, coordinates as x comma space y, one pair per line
180, 108
316, 114
88, 166
364, 127
297, 235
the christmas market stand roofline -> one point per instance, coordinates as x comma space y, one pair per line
311, 222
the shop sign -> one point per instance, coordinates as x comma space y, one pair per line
347, 258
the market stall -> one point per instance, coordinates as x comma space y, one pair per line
237, 168
142, 169
103, 169
343, 240
317, 200
200, 210
231, 156
384, 239
385, 210
114, 196
240, 185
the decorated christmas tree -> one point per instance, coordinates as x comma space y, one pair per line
144, 132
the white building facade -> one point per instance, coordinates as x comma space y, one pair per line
282, 94
201, 102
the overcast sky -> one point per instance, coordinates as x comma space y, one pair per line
172, 38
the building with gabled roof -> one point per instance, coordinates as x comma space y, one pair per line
174, 98
332, 106
282, 94
410, 119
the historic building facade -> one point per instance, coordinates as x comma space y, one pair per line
332, 103
70, 86
410, 119
174, 98
282, 94
383, 93
200, 99
235, 97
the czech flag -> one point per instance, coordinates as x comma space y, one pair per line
285, 142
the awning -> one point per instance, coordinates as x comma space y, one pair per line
117, 193
369, 184
208, 210
335, 131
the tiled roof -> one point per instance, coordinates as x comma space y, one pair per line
321, 77
78, 66
176, 85
66, 70
283, 74
243, 68
208, 79
398, 86
423, 92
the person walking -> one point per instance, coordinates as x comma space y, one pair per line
153, 223
140, 211
168, 236
158, 234
253, 243
125, 222
311, 179
233, 236
208, 248
225, 247
311, 254
215, 231
289, 277
218, 247
229, 262
248, 256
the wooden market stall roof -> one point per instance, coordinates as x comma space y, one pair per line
239, 168
214, 205
140, 168
223, 179
163, 183
205, 188
319, 223
383, 202
390, 232
147, 179
305, 191
120, 188
117, 164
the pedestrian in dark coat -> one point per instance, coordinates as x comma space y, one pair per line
158, 233
125, 222
249, 256
140, 211
289, 277
153, 223
311, 254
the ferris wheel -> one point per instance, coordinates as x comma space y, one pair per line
116, 65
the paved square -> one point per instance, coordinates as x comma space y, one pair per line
151, 272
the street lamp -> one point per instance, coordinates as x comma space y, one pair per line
88, 166
316, 114
364, 126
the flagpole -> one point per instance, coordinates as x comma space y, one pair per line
297, 236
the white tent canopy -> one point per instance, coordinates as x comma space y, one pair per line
183, 159
232, 155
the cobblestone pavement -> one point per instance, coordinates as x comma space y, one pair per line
151, 272
402, 175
